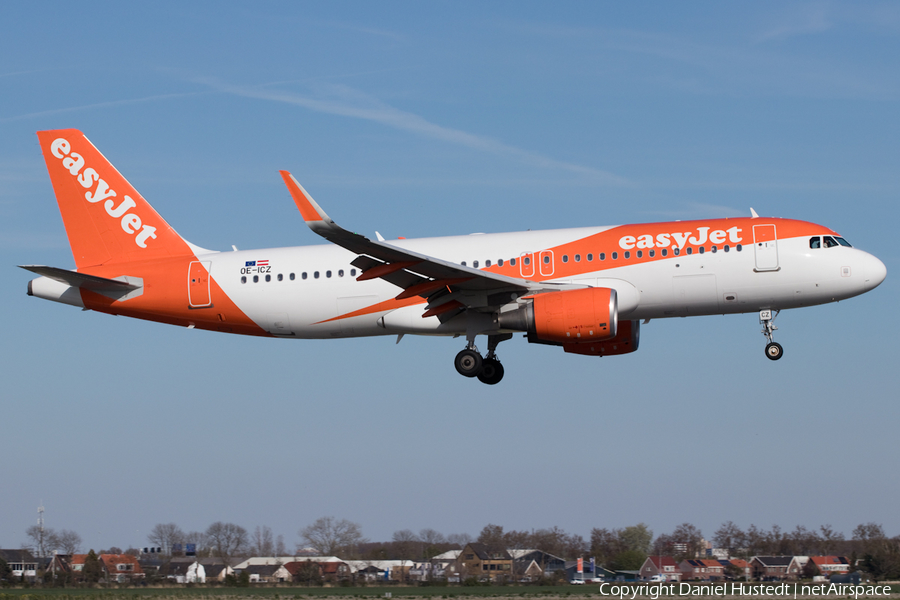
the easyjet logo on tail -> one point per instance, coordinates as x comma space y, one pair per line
697, 237
129, 221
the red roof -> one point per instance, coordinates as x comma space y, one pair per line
111, 562
663, 561
828, 560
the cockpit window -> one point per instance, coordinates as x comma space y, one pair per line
815, 242
843, 242
829, 241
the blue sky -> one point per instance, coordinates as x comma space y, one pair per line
426, 119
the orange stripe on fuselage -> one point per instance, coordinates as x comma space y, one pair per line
611, 240
165, 298
387, 305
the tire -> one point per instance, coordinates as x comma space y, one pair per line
491, 371
774, 351
468, 363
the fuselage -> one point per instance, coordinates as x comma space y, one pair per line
671, 269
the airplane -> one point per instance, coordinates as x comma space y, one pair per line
586, 289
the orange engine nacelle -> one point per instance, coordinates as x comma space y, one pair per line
557, 318
627, 340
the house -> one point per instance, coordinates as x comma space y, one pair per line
703, 569
770, 568
267, 573
737, 567
829, 565
303, 570
21, 562
534, 563
485, 562
661, 565
190, 569
795, 568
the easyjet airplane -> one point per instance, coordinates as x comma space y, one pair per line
585, 289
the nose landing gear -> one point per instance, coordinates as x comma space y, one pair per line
469, 362
774, 351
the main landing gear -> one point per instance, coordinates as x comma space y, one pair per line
774, 351
469, 362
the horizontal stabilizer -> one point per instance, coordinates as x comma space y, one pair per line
93, 283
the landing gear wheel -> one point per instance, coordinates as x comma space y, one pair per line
774, 351
468, 363
491, 371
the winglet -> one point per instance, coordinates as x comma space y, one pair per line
753, 213
309, 209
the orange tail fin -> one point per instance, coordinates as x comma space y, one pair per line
106, 219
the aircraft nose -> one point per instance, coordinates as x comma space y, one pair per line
875, 272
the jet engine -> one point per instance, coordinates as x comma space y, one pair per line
560, 318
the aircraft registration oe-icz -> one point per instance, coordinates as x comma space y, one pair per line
584, 289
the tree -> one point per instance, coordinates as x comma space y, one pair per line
628, 560
41, 541
729, 537
688, 541
637, 538
262, 543
69, 541
329, 536
459, 539
92, 570
407, 545
165, 536
6, 573
605, 545
227, 540
492, 535
828, 539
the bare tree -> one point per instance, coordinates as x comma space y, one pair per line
730, 537
688, 540
199, 540
407, 544
432, 537
262, 543
492, 535
330, 536
69, 541
280, 549
165, 536
227, 540
828, 539
460, 539
41, 541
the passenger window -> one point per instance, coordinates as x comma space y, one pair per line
340, 273
291, 276
577, 258
640, 254
280, 277
739, 247
590, 257
256, 279
500, 262
463, 263
627, 254
603, 256
665, 251
475, 264
676, 251
615, 255
701, 249
487, 263
565, 258
352, 272
546, 259
244, 279
690, 250
268, 278
328, 274
714, 249
652, 253
315, 275
726, 248
512, 262
829, 241
815, 242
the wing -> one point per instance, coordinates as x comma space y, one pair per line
447, 286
